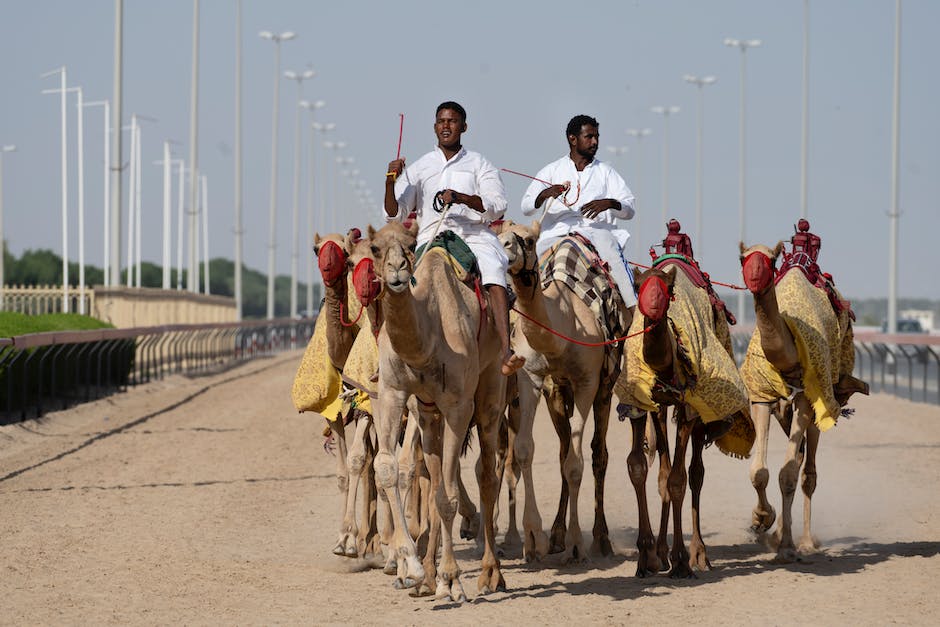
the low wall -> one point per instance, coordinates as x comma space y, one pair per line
144, 307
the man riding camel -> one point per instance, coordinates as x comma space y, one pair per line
471, 186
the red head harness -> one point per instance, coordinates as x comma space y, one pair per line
654, 298
365, 282
332, 262
758, 271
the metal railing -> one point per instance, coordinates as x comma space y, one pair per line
905, 365
42, 371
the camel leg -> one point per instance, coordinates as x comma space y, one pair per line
346, 537
678, 483
659, 420
446, 499
601, 543
470, 525
370, 544
487, 415
574, 471
698, 555
355, 462
407, 464
763, 515
432, 434
637, 468
502, 459
559, 409
808, 543
512, 537
536, 541
390, 406
789, 475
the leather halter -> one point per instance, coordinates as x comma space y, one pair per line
653, 299
760, 277
331, 259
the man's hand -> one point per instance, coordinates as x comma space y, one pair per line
597, 207
395, 169
450, 197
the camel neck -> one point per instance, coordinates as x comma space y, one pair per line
775, 336
339, 336
657, 347
531, 301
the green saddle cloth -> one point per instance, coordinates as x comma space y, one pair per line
456, 248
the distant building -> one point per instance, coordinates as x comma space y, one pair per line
922, 316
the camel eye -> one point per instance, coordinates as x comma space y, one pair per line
413, 246
375, 250
529, 242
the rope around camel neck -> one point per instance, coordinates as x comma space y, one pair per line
579, 342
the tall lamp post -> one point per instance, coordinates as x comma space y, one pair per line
192, 279
699, 82
638, 134
300, 77
742, 45
65, 187
665, 111
312, 187
330, 176
3, 150
106, 198
895, 212
277, 38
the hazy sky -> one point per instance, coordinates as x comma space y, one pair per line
521, 69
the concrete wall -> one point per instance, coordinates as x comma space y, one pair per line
143, 307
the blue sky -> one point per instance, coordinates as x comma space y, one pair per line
521, 69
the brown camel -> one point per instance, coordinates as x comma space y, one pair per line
571, 376
437, 345
676, 358
800, 357
336, 256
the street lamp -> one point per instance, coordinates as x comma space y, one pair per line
742, 45
277, 38
311, 107
895, 212
330, 176
65, 186
338, 196
665, 112
638, 134
300, 77
3, 150
699, 82
106, 198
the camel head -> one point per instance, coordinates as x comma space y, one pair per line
332, 253
519, 241
654, 292
758, 265
393, 249
362, 265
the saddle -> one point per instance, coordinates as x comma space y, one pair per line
464, 263
805, 249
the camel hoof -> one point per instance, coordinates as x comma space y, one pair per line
575, 557
339, 550
643, 572
682, 571
391, 568
762, 521
470, 527
404, 584
603, 547
351, 551
512, 538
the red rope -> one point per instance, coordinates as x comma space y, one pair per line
578, 342
525, 175
734, 287
341, 316
401, 128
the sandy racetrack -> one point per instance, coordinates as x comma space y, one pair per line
209, 500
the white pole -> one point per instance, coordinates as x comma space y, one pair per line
804, 147
205, 232
106, 196
238, 160
138, 218
65, 183
665, 112
272, 209
311, 171
699, 157
295, 210
895, 213
181, 184
115, 167
81, 203
3, 149
167, 226
192, 283
132, 182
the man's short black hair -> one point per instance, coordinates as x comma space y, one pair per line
452, 106
574, 126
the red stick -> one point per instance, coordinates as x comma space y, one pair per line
401, 128
525, 175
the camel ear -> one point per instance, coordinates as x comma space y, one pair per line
498, 226
742, 247
536, 228
370, 231
637, 273
778, 249
316, 243
413, 228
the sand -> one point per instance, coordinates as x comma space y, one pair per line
210, 500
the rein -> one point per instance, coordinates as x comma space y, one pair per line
342, 307
579, 342
734, 287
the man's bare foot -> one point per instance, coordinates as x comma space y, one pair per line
512, 363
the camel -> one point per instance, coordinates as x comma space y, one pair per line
799, 362
677, 354
438, 345
571, 377
336, 255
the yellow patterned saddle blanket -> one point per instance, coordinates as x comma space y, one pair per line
708, 378
824, 342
